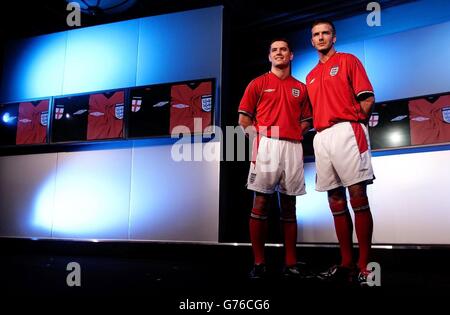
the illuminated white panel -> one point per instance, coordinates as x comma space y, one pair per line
92, 194
405, 65
101, 57
410, 198
180, 46
34, 67
27, 186
315, 222
174, 200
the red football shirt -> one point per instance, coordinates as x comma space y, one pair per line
189, 101
333, 87
105, 120
271, 102
430, 121
32, 123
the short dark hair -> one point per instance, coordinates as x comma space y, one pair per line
323, 21
280, 39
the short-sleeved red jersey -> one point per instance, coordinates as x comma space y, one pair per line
271, 102
430, 121
333, 88
190, 101
105, 120
32, 123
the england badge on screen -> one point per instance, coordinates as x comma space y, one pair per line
206, 103
44, 118
136, 104
334, 71
373, 121
446, 114
118, 111
59, 111
296, 92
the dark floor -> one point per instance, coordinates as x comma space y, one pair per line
166, 276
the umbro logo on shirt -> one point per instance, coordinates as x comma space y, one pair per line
269, 90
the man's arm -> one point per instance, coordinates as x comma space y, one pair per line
367, 107
305, 126
246, 122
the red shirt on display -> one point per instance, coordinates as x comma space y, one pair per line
105, 120
430, 121
32, 123
189, 101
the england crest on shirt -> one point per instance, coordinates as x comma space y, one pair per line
373, 121
44, 118
59, 111
334, 70
295, 92
446, 114
206, 103
136, 104
118, 111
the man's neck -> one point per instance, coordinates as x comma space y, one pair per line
325, 56
281, 73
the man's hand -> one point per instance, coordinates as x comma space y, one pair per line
367, 107
247, 125
305, 126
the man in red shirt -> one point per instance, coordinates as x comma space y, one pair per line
342, 99
275, 105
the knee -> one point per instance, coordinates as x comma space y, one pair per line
288, 214
338, 207
259, 213
359, 203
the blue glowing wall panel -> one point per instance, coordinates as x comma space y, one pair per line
27, 188
410, 63
101, 57
34, 68
180, 46
92, 195
395, 19
175, 200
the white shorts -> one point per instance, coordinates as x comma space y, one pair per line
342, 156
277, 166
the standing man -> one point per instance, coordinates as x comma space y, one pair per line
276, 106
342, 99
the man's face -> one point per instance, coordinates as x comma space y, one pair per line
322, 37
280, 56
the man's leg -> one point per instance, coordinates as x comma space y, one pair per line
289, 221
343, 224
363, 222
258, 226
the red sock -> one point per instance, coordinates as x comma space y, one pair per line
290, 242
364, 229
344, 232
258, 233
